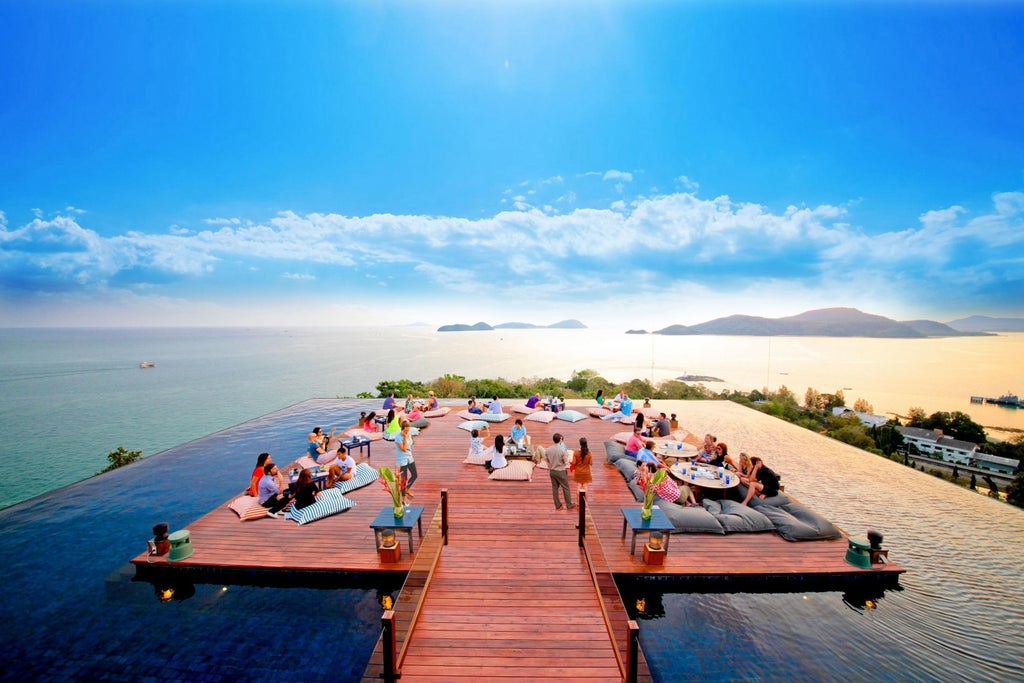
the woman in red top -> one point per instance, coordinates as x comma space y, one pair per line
257, 474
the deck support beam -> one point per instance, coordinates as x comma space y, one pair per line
390, 672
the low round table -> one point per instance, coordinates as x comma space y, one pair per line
699, 475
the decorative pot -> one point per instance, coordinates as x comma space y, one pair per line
645, 513
399, 510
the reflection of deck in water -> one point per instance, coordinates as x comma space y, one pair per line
513, 570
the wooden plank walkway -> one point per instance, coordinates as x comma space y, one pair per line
511, 597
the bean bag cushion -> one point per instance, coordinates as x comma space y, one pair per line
622, 437
472, 424
737, 518
690, 520
363, 434
493, 417
797, 523
477, 459
571, 415
637, 492
247, 508
437, 412
627, 467
598, 411
755, 502
420, 423
615, 451
541, 416
466, 415
627, 419
329, 502
516, 470
362, 475
522, 409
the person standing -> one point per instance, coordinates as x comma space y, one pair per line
406, 464
581, 472
558, 461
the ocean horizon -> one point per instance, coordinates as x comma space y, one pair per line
71, 395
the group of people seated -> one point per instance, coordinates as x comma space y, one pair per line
494, 407
759, 479
516, 443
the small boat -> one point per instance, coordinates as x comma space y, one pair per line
1006, 399
977, 399
147, 364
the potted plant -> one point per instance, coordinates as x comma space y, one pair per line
393, 486
649, 483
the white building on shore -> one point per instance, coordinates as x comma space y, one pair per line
955, 451
866, 419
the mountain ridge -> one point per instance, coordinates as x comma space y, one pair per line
569, 324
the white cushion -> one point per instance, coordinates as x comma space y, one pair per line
541, 416
628, 419
598, 411
493, 417
571, 415
466, 415
477, 459
516, 470
439, 412
473, 424
522, 409
329, 502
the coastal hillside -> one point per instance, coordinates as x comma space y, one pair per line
481, 326
824, 322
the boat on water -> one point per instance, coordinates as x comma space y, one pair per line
1006, 399
977, 399
147, 364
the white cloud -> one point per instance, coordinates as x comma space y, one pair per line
687, 184
298, 276
623, 176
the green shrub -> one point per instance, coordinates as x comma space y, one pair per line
120, 458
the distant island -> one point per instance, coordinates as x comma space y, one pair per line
824, 322
984, 323
482, 327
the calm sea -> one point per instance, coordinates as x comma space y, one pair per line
69, 396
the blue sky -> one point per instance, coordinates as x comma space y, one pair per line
628, 164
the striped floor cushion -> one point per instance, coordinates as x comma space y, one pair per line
493, 417
540, 416
329, 502
362, 476
247, 508
516, 470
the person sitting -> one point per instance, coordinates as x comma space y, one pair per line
257, 474
647, 403
495, 407
646, 455
431, 403
410, 403
341, 469
661, 427
416, 419
519, 435
474, 408
669, 489
625, 409
391, 425
389, 402
673, 422
320, 449
621, 396
497, 452
370, 423
744, 468
533, 400
476, 442
305, 490
707, 451
634, 443
271, 493
721, 454
641, 423
763, 481
600, 397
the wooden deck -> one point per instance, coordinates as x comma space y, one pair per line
511, 597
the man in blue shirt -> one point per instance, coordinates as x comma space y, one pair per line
625, 409
269, 493
495, 406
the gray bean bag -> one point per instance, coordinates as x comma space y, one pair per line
689, 520
627, 466
737, 518
615, 451
796, 523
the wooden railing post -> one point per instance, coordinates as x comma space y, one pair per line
444, 515
632, 650
582, 524
390, 671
